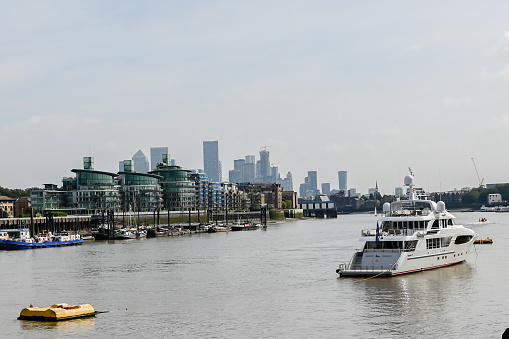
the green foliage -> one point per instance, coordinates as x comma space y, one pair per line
479, 195
471, 197
287, 204
15, 193
58, 214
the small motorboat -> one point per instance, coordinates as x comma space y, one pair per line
484, 241
57, 312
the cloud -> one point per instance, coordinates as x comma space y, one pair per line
502, 48
457, 103
414, 48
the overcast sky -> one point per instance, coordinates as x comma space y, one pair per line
370, 87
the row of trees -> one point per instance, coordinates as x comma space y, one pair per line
480, 195
15, 193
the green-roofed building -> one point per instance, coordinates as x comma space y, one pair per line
139, 191
178, 191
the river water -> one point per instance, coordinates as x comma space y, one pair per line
274, 283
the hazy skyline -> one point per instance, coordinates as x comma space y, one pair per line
368, 87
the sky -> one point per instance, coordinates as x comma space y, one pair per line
370, 87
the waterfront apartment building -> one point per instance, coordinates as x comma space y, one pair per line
211, 163
90, 192
139, 192
96, 191
178, 190
6, 207
48, 198
156, 156
201, 187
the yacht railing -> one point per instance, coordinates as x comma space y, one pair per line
394, 232
408, 213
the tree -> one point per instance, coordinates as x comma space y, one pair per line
483, 194
503, 189
470, 197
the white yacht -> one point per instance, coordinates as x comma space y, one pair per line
413, 235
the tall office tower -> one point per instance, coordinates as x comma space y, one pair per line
250, 159
237, 164
288, 182
265, 171
258, 177
274, 174
156, 156
248, 172
342, 181
313, 182
211, 164
305, 190
326, 188
236, 174
140, 161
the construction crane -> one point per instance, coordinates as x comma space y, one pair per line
481, 181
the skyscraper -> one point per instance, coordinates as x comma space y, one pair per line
288, 182
156, 156
211, 164
342, 181
326, 188
313, 182
265, 171
140, 162
249, 169
250, 159
236, 175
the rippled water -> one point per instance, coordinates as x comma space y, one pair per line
279, 283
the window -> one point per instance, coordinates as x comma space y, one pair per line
462, 239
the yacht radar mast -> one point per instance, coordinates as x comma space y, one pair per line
409, 182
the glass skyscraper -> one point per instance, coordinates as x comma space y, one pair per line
156, 156
211, 164
140, 162
342, 180
265, 171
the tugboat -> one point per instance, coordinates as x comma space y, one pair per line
244, 227
413, 235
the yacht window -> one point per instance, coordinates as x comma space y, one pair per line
435, 224
433, 243
446, 241
462, 239
410, 245
450, 222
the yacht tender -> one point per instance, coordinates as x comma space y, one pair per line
413, 235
